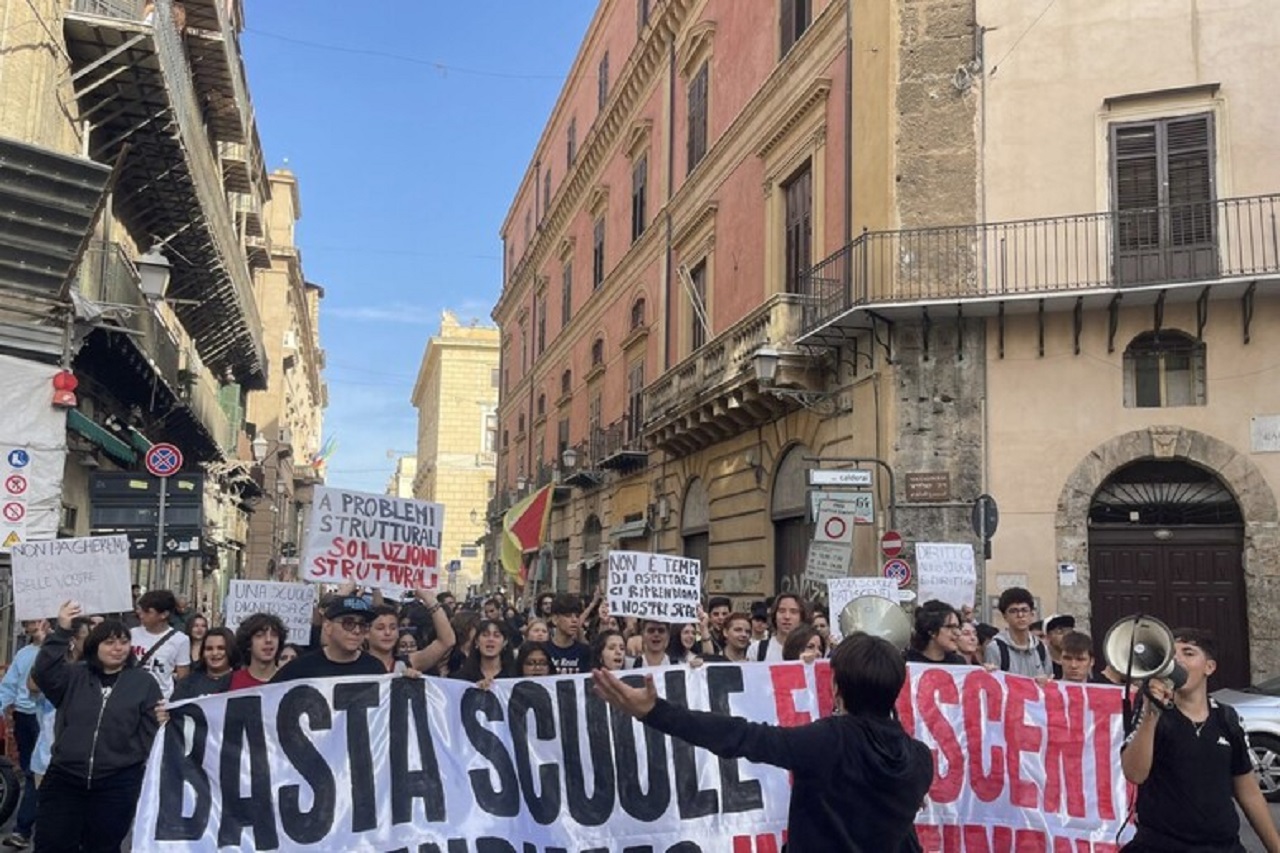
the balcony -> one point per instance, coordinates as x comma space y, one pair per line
621, 445
133, 86
1203, 251
714, 394
203, 397
108, 277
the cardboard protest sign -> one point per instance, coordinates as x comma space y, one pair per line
375, 540
946, 572
665, 587
384, 763
93, 570
292, 602
840, 591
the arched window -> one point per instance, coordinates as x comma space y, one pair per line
1163, 369
597, 352
637, 314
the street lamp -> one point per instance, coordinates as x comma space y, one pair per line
153, 273
522, 482
766, 364
569, 457
259, 447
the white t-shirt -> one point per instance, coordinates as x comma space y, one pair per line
774, 651
175, 652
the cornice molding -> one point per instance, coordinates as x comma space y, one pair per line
697, 45
638, 138
694, 224
813, 95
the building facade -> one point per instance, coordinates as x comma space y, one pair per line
969, 249
456, 396
402, 479
285, 418
130, 160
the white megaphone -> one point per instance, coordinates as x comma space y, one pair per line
879, 617
1141, 648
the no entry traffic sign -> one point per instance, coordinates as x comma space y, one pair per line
164, 460
898, 571
891, 543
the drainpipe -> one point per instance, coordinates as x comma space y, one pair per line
848, 123
671, 170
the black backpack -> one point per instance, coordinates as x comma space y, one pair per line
1004, 655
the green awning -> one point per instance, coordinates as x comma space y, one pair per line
139, 441
101, 436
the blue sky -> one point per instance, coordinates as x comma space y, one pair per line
408, 124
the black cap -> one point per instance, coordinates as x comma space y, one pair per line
760, 610
350, 605
1059, 620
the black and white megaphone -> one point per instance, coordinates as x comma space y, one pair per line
878, 617
1141, 648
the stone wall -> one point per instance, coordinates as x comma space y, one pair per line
938, 417
936, 145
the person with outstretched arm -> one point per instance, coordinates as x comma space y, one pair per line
859, 779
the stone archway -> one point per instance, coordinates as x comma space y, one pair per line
1237, 473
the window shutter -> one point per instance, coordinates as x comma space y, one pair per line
788, 28
1189, 166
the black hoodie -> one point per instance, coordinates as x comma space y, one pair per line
96, 733
858, 781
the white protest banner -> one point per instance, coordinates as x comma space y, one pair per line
375, 540
945, 572
665, 587
826, 561
434, 764
93, 570
840, 591
292, 602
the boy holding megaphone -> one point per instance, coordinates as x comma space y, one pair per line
1189, 757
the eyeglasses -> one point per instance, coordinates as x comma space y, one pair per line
537, 664
354, 626
1020, 611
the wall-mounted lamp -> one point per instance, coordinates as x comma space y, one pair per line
569, 458
522, 482
154, 270
766, 362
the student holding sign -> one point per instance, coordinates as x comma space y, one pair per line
859, 779
105, 725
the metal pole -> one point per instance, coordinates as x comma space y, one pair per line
164, 493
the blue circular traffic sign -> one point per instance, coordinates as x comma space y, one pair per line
898, 571
164, 460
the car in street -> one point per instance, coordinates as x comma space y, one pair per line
1259, 709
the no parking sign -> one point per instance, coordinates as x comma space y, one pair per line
898, 571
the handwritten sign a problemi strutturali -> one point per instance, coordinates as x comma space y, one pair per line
375, 540
664, 587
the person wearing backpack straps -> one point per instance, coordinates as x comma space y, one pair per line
1015, 650
1190, 758
163, 651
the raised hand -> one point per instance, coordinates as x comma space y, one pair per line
69, 611
636, 701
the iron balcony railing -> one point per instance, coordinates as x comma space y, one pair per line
1206, 241
107, 276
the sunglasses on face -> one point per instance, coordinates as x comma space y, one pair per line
353, 625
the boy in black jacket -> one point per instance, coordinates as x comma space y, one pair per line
859, 779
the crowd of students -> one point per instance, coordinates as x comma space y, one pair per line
110, 679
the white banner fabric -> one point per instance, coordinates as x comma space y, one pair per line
390, 763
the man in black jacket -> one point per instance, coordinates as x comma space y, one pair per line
859, 779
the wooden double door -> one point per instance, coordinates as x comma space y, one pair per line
1185, 576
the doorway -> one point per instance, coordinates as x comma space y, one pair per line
1166, 538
